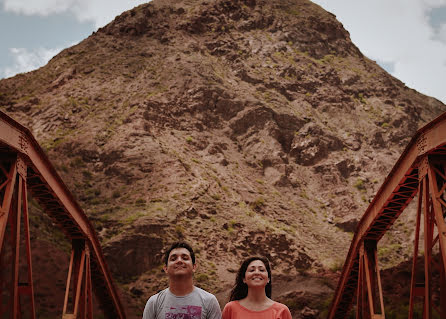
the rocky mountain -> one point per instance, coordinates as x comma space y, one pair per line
242, 126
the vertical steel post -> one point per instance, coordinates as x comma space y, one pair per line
79, 280
6, 209
16, 216
360, 293
19, 209
6, 204
27, 288
87, 302
378, 278
427, 253
67, 287
81, 289
373, 278
437, 217
442, 290
413, 287
438, 214
369, 279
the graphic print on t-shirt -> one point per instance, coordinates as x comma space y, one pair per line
184, 312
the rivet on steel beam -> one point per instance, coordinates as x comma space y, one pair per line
422, 167
21, 166
23, 143
422, 144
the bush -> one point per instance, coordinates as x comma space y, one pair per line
201, 278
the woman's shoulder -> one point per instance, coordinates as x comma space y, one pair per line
280, 306
232, 304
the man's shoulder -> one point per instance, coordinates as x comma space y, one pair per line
159, 294
203, 293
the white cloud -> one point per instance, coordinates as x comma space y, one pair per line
434, 3
25, 60
398, 32
100, 12
40, 7
441, 35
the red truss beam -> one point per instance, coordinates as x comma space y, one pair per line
369, 291
15, 207
8, 188
25, 157
399, 188
81, 293
432, 187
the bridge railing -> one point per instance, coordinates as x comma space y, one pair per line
24, 168
421, 170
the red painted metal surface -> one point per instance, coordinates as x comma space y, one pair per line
369, 292
420, 169
24, 167
81, 292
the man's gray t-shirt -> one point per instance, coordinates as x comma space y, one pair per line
199, 304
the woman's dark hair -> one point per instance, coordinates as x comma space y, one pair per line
240, 289
179, 245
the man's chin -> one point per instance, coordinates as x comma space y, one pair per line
181, 273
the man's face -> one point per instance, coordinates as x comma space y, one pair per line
179, 263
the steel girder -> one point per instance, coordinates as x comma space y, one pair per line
24, 167
14, 213
420, 169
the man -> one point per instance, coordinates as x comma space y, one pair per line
182, 299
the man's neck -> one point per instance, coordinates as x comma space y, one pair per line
181, 286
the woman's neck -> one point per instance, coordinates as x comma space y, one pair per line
256, 295
256, 300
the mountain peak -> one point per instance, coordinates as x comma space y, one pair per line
302, 23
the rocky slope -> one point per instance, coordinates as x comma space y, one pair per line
243, 126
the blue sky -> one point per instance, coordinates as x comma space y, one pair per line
406, 37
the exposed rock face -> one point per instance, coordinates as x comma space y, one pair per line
130, 254
243, 126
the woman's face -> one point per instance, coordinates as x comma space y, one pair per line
256, 274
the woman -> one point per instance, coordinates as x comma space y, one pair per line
250, 297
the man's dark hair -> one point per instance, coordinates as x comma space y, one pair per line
179, 244
240, 289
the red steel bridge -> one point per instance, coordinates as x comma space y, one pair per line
421, 170
24, 168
